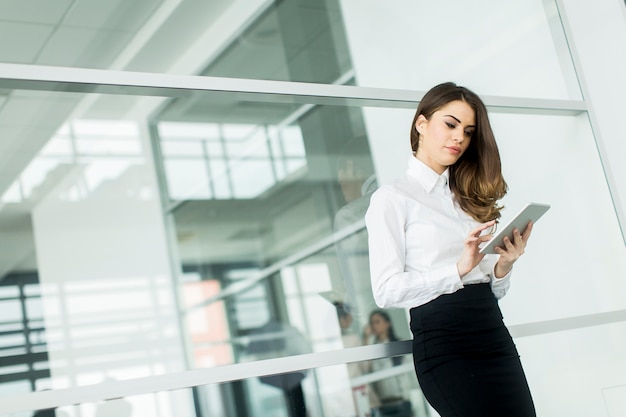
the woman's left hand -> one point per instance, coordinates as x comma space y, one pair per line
512, 250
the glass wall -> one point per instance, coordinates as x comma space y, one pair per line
319, 391
199, 246
267, 210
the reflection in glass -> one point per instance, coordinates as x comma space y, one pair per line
106, 148
289, 41
23, 352
227, 161
249, 190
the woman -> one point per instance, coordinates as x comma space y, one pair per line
424, 236
389, 392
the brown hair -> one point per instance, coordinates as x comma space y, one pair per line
476, 178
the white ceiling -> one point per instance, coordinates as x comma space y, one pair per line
84, 33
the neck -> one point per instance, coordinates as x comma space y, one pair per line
421, 157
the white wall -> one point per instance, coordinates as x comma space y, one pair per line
495, 48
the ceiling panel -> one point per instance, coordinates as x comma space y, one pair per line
111, 14
183, 28
21, 42
83, 47
34, 11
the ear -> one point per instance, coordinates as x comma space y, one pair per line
421, 123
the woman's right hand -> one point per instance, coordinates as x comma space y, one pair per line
470, 257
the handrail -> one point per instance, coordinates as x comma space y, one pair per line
196, 377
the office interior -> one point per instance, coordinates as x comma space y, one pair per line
184, 182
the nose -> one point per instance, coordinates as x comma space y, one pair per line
458, 135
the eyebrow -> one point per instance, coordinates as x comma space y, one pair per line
449, 115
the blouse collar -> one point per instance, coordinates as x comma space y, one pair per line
426, 176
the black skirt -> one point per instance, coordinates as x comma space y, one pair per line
465, 359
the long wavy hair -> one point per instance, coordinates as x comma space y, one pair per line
476, 178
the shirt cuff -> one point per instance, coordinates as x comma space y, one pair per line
500, 286
493, 273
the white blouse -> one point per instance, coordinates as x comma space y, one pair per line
416, 232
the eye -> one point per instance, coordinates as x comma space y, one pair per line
450, 125
469, 133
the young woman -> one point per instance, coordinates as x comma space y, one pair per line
391, 390
425, 232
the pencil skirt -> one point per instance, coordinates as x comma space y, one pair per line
465, 360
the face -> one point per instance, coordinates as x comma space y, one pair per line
380, 326
446, 135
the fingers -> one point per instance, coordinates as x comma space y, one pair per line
527, 232
485, 238
477, 239
515, 248
480, 228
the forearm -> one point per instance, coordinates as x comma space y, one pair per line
410, 289
501, 269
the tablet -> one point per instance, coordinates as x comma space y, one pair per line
530, 212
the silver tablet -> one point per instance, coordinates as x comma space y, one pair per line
530, 212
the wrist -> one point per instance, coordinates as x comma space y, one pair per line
461, 271
501, 269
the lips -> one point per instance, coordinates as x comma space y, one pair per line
454, 149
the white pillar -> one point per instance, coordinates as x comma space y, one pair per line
107, 285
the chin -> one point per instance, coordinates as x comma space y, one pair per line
450, 161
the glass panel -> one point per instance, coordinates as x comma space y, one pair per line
87, 199
557, 365
302, 300
287, 180
280, 270
318, 313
